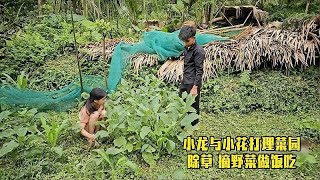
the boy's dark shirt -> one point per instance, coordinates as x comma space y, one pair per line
193, 65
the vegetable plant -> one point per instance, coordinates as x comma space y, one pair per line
53, 130
147, 119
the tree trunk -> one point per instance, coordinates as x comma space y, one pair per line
40, 6
206, 14
307, 6
210, 13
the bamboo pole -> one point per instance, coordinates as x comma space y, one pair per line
104, 61
76, 48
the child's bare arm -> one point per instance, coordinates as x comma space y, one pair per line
84, 132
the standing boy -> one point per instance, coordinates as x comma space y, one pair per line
194, 56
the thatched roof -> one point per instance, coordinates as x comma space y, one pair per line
93, 51
139, 60
279, 48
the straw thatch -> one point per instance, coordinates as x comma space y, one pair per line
277, 48
94, 51
139, 60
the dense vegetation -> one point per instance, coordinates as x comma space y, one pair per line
141, 136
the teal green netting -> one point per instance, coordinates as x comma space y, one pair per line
163, 44
59, 100
155, 42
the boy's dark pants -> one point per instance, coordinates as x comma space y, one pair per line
187, 88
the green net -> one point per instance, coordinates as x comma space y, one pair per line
59, 100
163, 44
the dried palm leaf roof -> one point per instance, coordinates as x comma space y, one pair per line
139, 60
95, 50
279, 48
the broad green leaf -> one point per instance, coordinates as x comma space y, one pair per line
148, 158
179, 174
160, 141
62, 127
19, 82
122, 161
142, 107
32, 112
7, 133
190, 100
132, 165
170, 146
182, 135
22, 131
184, 95
58, 150
102, 134
139, 113
137, 146
129, 147
148, 148
190, 129
144, 147
114, 151
122, 126
158, 131
8, 147
156, 104
144, 131
45, 126
134, 125
120, 141
98, 161
189, 118
4, 115
104, 156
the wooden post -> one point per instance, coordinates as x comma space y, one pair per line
76, 48
104, 60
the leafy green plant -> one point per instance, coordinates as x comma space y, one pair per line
50, 37
180, 9
114, 162
16, 134
310, 128
20, 83
148, 119
305, 159
53, 130
8, 147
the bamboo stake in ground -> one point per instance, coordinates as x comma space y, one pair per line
76, 49
104, 60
